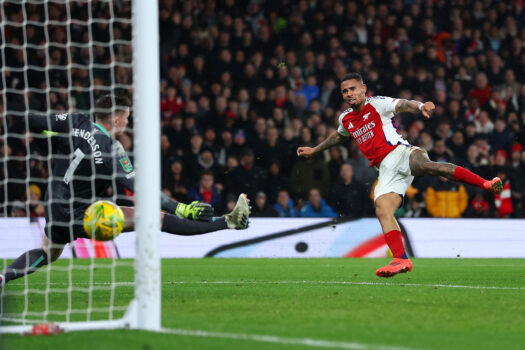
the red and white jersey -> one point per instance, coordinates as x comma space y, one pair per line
373, 128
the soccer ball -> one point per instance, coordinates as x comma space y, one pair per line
103, 220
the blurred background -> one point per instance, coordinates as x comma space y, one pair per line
244, 83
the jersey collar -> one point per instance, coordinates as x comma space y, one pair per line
102, 129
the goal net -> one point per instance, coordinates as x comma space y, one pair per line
58, 57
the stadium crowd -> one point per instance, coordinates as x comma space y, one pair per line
243, 83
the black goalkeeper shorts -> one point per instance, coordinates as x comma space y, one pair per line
64, 225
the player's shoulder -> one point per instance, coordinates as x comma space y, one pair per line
380, 98
382, 101
345, 112
74, 117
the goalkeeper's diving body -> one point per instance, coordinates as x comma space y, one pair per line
369, 122
87, 160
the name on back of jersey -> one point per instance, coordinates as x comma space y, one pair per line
90, 139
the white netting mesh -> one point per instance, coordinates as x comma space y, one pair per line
58, 57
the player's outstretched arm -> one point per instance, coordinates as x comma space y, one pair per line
411, 106
196, 210
333, 140
39, 123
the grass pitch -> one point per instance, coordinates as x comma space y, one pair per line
301, 304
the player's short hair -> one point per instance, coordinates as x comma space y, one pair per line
108, 105
353, 76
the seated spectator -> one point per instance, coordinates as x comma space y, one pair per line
178, 183
191, 156
482, 90
171, 104
483, 124
36, 208
272, 149
310, 90
276, 181
446, 199
167, 157
309, 173
336, 160
440, 153
316, 206
503, 201
247, 177
457, 145
444, 130
425, 140
18, 209
479, 206
285, 206
484, 148
206, 191
474, 161
501, 137
230, 203
349, 197
205, 161
261, 207
470, 133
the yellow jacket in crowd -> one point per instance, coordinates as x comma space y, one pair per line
447, 203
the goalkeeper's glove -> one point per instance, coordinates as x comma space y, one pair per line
197, 211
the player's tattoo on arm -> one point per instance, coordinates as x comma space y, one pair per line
333, 140
409, 106
420, 165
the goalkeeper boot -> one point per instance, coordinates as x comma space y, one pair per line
495, 185
238, 218
396, 266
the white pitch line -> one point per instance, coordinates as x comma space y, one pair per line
292, 282
320, 343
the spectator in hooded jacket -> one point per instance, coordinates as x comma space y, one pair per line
285, 206
316, 206
261, 208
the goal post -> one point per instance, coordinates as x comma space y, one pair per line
147, 135
144, 309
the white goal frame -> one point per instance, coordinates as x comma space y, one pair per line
144, 311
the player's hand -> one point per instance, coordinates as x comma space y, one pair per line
305, 151
427, 109
197, 211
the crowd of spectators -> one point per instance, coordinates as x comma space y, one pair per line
243, 83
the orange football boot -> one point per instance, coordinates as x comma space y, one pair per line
495, 185
396, 266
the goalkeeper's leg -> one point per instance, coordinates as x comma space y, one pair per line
32, 260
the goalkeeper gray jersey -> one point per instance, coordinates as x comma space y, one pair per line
86, 160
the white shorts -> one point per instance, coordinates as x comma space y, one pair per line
394, 172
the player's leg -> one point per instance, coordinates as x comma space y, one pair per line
386, 206
32, 260
421, 165
237, 219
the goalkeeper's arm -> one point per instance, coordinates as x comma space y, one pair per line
39, 123
196, 210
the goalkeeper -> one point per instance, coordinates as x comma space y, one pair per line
87, 160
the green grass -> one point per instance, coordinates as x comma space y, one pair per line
324, 299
